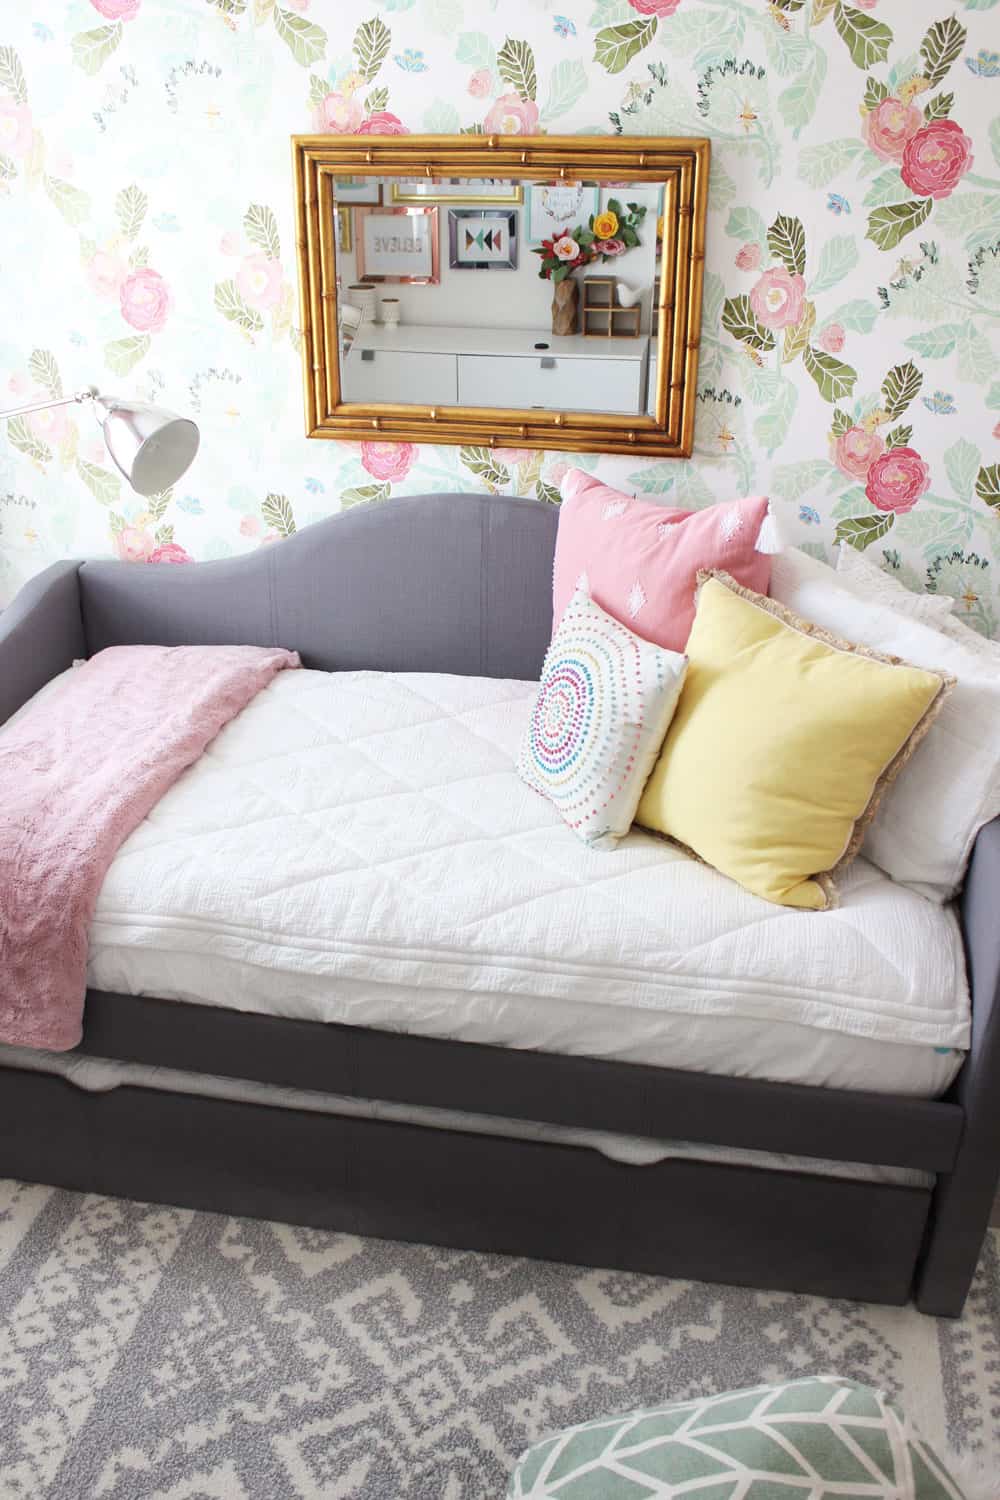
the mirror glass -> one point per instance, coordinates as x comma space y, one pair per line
492, 293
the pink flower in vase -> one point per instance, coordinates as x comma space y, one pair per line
832, 338
936, 158
339, 114
391, 461
855, 450
117, 10
777, 298
565, 248
134, 544
897, 479
610, 247
512, 115
382, 122
748, 257
16, 132
170, 552
259, 280
481, 83
145, 300
889, 126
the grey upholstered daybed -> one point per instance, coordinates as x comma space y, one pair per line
885, 1196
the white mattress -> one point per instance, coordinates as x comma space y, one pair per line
357, 848
99, 1075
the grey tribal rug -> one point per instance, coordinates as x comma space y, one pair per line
157, 1353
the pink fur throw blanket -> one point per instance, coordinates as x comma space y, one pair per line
79, 770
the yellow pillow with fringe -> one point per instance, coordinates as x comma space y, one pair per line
783, 742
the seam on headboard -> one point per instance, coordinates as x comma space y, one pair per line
272, 596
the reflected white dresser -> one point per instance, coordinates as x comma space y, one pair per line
510, 367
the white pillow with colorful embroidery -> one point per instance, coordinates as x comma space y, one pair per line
603, 709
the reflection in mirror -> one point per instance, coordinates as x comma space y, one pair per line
500, 294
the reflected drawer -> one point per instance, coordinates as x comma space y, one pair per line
400, 377
555, 383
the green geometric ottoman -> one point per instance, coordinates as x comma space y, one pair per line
819, 1439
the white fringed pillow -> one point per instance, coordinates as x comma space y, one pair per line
879, 587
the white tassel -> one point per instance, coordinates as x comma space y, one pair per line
769, 537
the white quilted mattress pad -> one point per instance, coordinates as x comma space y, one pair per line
357, 847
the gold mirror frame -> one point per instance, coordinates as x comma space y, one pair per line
679, 163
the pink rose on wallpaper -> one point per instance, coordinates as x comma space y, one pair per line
512, 456
51, 426
117, 10
105, 273
16, 133
382, 122
832, 338
897, 479
748, 257
145, 300
339, 114
134, 545
556, 473
855, 450
259, 280
889, 126
610, 247
390, 461
481, 83
170, 552
996, 431
512, 115
654, 7
777, 298
936, 158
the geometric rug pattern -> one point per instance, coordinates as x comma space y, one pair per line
167, 1354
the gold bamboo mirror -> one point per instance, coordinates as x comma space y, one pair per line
540, 292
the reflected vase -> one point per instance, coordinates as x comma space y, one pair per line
565, 299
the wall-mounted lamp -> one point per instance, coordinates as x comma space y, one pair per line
152, 447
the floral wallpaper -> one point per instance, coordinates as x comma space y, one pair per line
850, 364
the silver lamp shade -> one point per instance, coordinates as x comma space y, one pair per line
152, 447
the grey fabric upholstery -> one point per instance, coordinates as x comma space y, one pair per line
41, 633
433, 583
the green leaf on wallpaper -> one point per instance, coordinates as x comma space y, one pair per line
162, 535
898, 437
528, 473
609, 13
567, 84
130, 208
942, 44
746, 224
692, 30
875, 92
988, 485
91, 49
833, 378
654, 479
262, 230
899, 388
889, 224
740, 320
969, 214
856, 316
934, 343
475, 50
962, 462
797, 103
842, 422
771, 428
122, 355
887, 187
481, 462
72, 202
441, 118
21, 437
304, 40
230, 7
615, 46
837, 257
868, 40
860, 531
262, 10
792, 481
976, 359
138, 258
939, 108
377, 100
156, 505
690, 488
995, 139
8, 171
980, 4
372, 41
516, 66
547, 493
993, 397
819, 165
103, 485
795, 339
231, 305
444, 16
12, 79
276, 512
318, 89
786, 241
45, 372
365, 494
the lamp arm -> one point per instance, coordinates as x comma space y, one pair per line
88, 394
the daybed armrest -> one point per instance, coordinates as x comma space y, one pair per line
41, 633
964, 1196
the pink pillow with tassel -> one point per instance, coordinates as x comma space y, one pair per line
640, 561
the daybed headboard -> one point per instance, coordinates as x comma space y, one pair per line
429, 583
